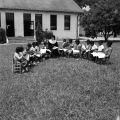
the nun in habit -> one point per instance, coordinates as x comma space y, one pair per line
53, 47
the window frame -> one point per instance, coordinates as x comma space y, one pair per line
67, 27
38, 15
53, 27
0, 19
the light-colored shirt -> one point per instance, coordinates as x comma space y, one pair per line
18, 56
108, 51
101, 48
37, 49
83, 47
77, 47
32, 49
94, 47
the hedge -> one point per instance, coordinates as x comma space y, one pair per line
2, 36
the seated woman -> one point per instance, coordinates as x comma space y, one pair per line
19, 57
77, 47
53, 47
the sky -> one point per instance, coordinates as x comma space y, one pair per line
87, 8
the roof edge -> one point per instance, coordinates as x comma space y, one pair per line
73, 12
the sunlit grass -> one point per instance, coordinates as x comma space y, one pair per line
60, 89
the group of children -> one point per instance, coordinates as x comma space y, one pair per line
88, 49
34, 53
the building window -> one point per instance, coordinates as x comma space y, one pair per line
38, 20
27, 24
0, 19
53, 22
67, 22
10, 24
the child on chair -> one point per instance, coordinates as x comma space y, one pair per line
19, 57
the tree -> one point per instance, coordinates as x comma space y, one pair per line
83, 3
39, 33
42, 35
103, 17
2, 36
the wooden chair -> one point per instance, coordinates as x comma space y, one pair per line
105, 60
16, 67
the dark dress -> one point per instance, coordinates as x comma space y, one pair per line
51, 45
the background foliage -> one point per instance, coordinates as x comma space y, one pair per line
2, 36
103, 17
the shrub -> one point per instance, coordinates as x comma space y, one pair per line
2, 36
48, 34
42, 35
39, 33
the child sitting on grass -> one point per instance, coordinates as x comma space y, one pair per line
45, 52
77, 47
19, 57
31, 51
65, 43
99, 51
37, 54
85, 48
70, 46
94, 46
65, 46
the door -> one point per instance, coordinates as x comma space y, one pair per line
10, 24
38, 20
27, 25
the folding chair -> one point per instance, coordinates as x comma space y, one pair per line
16, 67
105, 60
76, 53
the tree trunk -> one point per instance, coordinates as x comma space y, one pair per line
115, 34
106, 35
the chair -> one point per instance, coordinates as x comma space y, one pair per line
16, 67
105, 60
76, 53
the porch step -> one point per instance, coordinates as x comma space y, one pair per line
21, 39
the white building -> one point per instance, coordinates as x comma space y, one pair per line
20, 17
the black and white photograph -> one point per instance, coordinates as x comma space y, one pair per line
59, 59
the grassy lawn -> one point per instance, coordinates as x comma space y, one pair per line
60, 89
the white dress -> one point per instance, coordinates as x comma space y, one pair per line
99, 53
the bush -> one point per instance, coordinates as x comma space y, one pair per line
42, 35
39, 34
48, 34
2, 36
